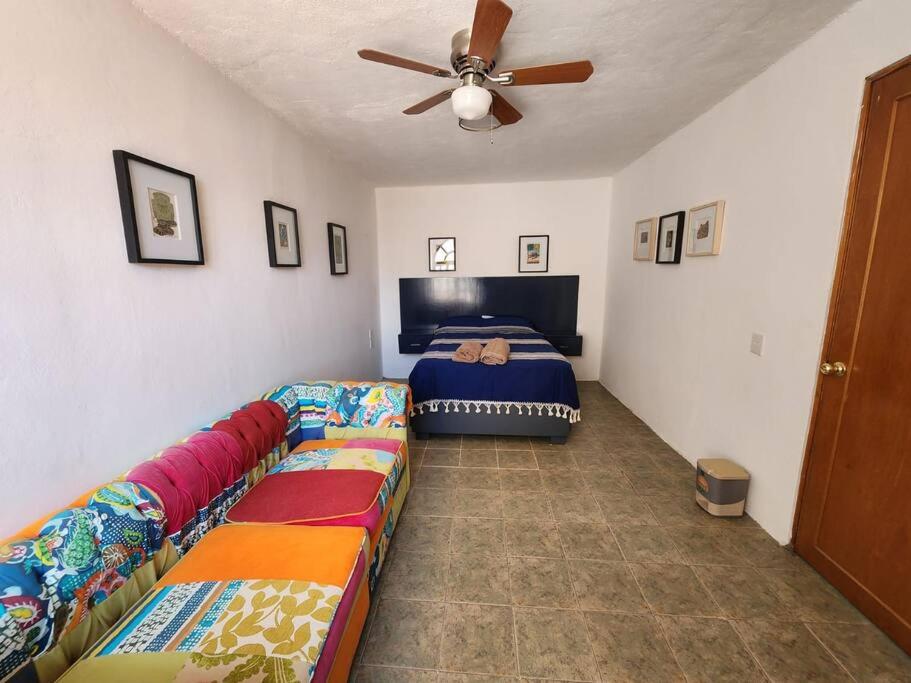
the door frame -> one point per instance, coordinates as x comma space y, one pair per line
838, 280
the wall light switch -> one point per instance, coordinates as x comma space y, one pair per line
370, 338
756, 343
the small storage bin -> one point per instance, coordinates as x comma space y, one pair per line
721, 487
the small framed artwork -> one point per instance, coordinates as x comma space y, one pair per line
670, 237
338, 249
644, 239
534, 253
160, 212
706, 226
441, 253
282, 235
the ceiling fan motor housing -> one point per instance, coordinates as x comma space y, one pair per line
463, 63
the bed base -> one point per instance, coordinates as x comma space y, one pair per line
554, 428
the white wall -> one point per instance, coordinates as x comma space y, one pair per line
105, 362
486, 221
677, 337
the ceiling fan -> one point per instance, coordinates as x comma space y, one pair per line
473, 59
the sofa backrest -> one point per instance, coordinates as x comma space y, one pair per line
199, 479
345, 409
50, 581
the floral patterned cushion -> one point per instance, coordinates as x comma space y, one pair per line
80, 556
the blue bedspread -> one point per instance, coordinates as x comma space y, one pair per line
537, 377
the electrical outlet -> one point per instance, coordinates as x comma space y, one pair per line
370, 338
756, 343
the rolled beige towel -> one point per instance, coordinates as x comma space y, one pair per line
496, 352
468, 352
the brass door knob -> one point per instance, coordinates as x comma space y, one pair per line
837, 368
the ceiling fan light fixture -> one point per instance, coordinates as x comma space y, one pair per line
471, 102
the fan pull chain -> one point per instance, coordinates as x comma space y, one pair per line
491, 128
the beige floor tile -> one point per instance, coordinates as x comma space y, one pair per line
525, 505
631, 648
560, 461
417, 576
429, 501
520, 480
539, 582
445, 442
647, 544
865, 651
554, 644
517, 460
606, 586
788, 652
575, 507
743, 593
382, 674
479, 458
474, 578
513, 443
624, 509
423, 534
564, 481
476, 503
607, 480
441, 457
406, 634
710, 650
478, 638
706, 545
476, 442
674, 589
437, 477
588, 541
810, 597
472, 536
532, 538
478, 478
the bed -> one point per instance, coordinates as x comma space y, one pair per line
533, 394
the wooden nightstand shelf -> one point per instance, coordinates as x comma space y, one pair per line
568, 345
414, 342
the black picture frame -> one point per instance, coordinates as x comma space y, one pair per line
546, 238
678, 244
122, 160
268, 206
430, 267
333, 269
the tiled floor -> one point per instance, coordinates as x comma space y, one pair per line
591, 562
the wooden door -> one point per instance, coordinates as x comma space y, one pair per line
853, 518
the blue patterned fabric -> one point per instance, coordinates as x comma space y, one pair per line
80, 556
537, 377
286, 396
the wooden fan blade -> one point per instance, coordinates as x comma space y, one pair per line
491, 17
401, 62
429, 103
570, 72
503, 110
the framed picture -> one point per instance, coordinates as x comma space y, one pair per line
644, 239
338, 249
160, 212
441, 253
670, 237
534, 253
282, 235
705, 228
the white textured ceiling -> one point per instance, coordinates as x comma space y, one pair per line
658, 64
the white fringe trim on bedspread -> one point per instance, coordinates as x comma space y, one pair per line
553, 409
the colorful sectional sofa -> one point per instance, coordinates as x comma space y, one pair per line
142, 579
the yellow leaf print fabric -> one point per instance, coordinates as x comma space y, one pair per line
274, 617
